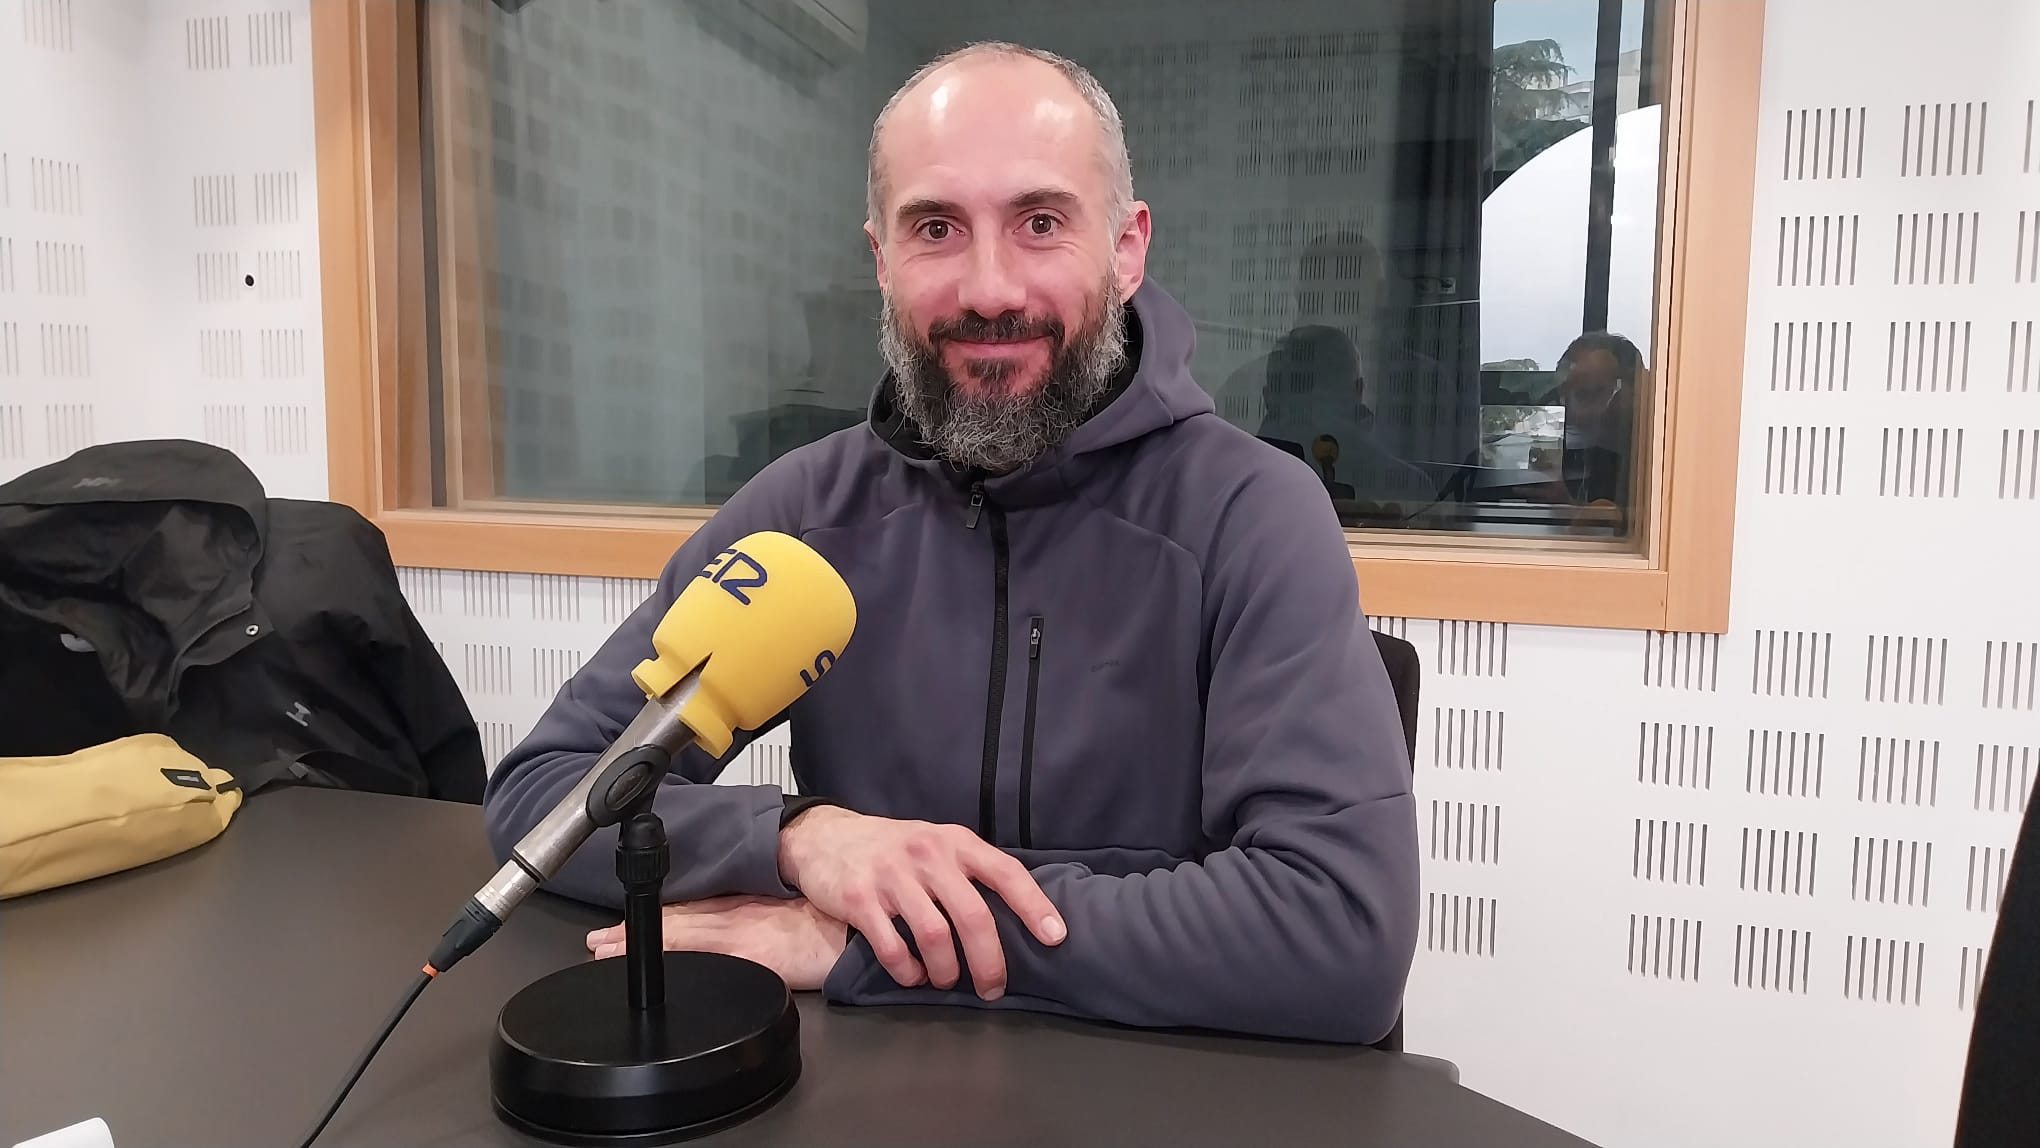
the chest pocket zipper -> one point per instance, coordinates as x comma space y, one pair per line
1034, 627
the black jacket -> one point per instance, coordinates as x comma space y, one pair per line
153, 587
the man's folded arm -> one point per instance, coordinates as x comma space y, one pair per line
1303, 923
724, 838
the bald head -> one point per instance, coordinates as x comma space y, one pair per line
991, 91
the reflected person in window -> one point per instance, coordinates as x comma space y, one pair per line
1332, 371
1599, 376
1112, 738
1316, 403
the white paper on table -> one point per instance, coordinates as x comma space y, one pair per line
91, 1133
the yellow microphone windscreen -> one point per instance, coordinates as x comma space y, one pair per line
768, 616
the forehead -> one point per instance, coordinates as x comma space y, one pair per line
986, 129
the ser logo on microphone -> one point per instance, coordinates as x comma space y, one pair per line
823, 661
736, 572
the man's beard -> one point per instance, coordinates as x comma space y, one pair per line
991, 427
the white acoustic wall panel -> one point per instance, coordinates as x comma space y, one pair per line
158, 233
68, 263
234, 224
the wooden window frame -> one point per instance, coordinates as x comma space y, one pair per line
372, 198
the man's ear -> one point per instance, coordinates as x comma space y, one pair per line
877, 255
1131, 248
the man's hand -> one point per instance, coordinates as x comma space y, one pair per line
792, 938
868, 870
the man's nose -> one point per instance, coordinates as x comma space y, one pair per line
989, 285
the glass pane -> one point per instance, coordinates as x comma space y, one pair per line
1405, 265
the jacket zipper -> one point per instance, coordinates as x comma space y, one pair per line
1027, 735
988, 778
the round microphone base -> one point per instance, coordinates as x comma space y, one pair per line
573, 1063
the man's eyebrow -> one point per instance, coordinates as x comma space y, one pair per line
921, 208
1056, 197
1044, 197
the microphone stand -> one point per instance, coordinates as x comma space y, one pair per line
641, 863
573, 1064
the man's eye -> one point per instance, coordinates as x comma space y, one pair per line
935, 229
1041, 224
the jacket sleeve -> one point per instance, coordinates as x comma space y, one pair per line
1302, 920
725, 838
413, 678
448, 742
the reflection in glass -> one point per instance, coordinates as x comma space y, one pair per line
1392, 221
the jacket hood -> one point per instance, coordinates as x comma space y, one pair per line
142, 549
1160, 392
148, 470
1161, 342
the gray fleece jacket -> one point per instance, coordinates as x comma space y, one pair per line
1138, 664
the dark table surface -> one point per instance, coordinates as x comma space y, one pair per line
215, 999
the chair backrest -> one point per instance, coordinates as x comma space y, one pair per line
1999, 1105
1405, 674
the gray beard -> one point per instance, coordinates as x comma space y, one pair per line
993, 429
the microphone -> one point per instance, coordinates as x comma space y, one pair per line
759, 626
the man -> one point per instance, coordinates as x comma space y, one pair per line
1315, 398
1343, 359
1112, 738
1598, 378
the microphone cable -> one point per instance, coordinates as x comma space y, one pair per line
425, 977
474, 926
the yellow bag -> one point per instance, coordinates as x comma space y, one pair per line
104, 809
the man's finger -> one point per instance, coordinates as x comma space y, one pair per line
931, 936
604, 952
892, 952
1006, 876
614, 934
709, 907
976, 931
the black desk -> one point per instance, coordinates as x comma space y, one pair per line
215, 998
